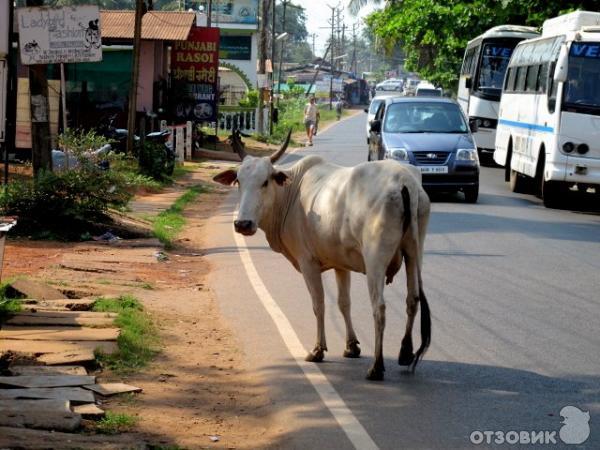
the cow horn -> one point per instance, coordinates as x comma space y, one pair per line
237, 145
279, 153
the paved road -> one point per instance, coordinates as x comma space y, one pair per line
514, 290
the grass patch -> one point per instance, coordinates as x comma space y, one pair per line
8, 307
138, 340
114, 423
168, 224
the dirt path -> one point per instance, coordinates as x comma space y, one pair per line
197, 392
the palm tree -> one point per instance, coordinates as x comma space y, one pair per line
354, 6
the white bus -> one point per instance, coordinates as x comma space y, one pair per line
481, 77
548, 135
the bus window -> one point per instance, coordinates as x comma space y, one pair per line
493, 66
542, 78
521, 77
584, 69
552, 88
532, 76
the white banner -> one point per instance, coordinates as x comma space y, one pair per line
59, 35
4, 9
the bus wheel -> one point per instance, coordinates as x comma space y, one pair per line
518, 183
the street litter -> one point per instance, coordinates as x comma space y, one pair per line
161, 256
108, 236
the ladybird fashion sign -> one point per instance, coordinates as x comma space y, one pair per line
59, 35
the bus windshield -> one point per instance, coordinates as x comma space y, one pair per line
581, 89
494, 62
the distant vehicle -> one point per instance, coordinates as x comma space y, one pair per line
480, 83
410, 87
427, 90
392, 84
548, 133
432, 134
379, 98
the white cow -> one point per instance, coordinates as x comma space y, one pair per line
363, 219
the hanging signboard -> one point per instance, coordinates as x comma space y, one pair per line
194, 72
59, 35
243, 12
4, 15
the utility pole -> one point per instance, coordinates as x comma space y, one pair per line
262, 56
135, 72
354, 63
11, 86
40, 114
332, 46
271, 105
314, 35
281, 53
209, 14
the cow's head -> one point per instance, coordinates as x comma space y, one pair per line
257, 179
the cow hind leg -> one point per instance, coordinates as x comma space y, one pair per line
314, 283
343, 281
375, 281
415, 296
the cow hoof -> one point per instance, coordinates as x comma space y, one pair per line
352, 351
406, 358
316, 356
375, 374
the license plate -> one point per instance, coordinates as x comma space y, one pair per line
433, 169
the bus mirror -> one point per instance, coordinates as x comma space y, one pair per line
473, 125
468, 83
562, 65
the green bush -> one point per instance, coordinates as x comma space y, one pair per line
251, 99
79, 141
153, 161
66, 203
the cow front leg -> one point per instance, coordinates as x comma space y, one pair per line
343, 282
375, 281
314, 283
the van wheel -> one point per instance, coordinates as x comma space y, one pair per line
519, 184
471, 193
369, 156
554, 193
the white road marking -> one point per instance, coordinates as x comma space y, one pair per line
332, 400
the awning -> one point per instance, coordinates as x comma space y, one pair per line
156, 25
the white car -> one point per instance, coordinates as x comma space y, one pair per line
392, 84
372, 109
427, 90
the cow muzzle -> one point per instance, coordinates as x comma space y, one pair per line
245, 227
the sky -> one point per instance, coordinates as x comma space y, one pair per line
318, 13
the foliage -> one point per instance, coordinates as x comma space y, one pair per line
8, 307
434, 33
64, 203
138, 340
251, 99
153, 160
168, 224
114, 423
79, 141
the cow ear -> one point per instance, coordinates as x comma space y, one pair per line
281, 178
227, 178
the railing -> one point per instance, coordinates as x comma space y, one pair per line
239, 118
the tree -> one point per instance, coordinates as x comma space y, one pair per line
434, 33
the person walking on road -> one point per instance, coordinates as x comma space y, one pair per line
338, 108
311, 116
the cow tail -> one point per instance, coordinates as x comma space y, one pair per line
407, 210
425, 329
425, 313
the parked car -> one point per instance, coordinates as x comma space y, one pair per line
432, 134
372, 109
392, 84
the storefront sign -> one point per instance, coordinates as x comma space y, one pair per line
236, 47
4, 15
194, 71
59, 35
238, 11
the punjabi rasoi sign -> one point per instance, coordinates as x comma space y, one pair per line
194, 71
